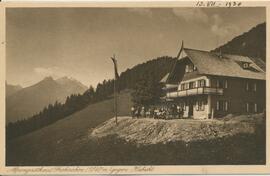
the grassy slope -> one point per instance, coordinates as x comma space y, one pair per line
54, 143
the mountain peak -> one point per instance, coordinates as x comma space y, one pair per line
48, 78
69, 80
64, 78
33, 99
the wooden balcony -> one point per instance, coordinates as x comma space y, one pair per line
195, 91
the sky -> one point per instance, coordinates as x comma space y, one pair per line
78, 42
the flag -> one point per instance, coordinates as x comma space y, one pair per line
115, 67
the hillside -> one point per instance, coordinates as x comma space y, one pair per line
11, 89
251, 43
31, 100
56, 143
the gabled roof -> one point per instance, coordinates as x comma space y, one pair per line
210, 63
164, 79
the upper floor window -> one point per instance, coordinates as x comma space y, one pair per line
182, 86
190, 68
251, 86
201, 83
186, 86
221, 83
192, 85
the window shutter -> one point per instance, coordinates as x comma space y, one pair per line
217, 105
255, 107
226, 105
247, 86
255, 87
226, 84
247, 107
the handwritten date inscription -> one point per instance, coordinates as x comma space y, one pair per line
218, 4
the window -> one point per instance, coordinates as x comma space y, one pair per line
251, 107
201, 83
187, 69
192, 85
182, 86
222, 83
186, 86
200, 105
190, 68
222, 105
251, 86
245, 65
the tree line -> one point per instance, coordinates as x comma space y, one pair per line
143, 79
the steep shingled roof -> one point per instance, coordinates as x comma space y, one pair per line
164, 79
210, 63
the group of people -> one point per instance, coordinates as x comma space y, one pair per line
168, 112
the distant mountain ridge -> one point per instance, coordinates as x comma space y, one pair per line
251, 43
30, 100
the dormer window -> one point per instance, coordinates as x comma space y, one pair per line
246, 65
190, 68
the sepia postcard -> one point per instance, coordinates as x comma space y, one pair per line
134, 87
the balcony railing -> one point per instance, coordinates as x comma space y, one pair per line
195, 91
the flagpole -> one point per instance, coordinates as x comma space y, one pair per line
115, 101
115, 97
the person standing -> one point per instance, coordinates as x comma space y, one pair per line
178, 111
132, 111
143, 112
138, 112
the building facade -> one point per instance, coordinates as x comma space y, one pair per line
211, 85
